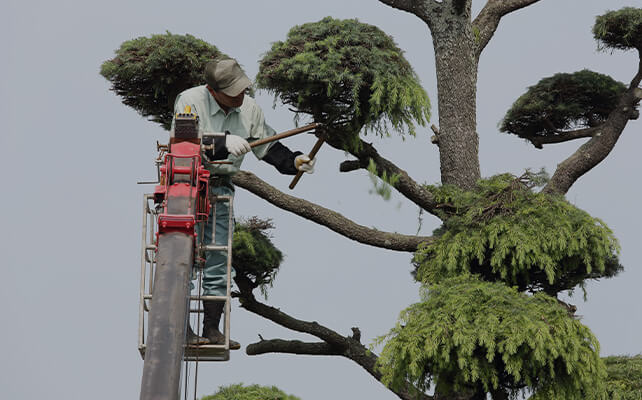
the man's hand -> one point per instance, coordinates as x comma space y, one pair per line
236, 145
304, 163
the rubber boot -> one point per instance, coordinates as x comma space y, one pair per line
193, 339
213, 311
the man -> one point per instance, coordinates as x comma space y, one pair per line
223, 107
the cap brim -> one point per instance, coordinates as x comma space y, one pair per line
237, 87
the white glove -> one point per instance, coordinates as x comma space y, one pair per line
236, 145
304, 163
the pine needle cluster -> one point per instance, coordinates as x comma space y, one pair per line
624, 380
254, 255
504, 231
345, 72
621, 29
252, 392
467, 335
562, 102
149, 72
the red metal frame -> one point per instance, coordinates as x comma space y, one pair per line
193, 191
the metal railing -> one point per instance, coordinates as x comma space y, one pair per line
208, 352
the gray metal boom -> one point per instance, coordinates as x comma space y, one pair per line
168, 318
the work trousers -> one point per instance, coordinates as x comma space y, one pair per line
215, 269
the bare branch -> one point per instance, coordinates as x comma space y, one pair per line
342, 139
421, 8
292, 347
335, 344
404, 185
565, 136
350, 165
489, 17
249, 302
328, 218
356, 334
434, 139
595, 150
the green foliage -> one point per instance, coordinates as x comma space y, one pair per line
252, 392
469, 335
620, 29
382, 186
149, 72
504, 231
254, 255
348, 73
562, 102
624, 380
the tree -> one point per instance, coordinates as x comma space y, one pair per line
148, 80
252, 392
353, 78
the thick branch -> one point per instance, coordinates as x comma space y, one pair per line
595, 150
405, 184
328, 218
488, 19
292, 347
565, 136
421, 8
249, 302
350, 165
335, 344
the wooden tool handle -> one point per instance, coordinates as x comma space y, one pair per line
312, 154
285, 134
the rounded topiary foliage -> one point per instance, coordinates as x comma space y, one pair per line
503, 231
254, 256
149, 72
252, 392
562, 102
346, 72
472, 336
620, 29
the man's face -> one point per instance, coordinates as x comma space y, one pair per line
229, 101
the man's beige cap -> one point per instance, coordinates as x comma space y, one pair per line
226, 76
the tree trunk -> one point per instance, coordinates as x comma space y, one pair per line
456, 64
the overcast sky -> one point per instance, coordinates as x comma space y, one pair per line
71, 208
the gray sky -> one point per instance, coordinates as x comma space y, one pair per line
71, 207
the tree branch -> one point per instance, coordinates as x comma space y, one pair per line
565, 136
249, 302
292, 347
335, 344
421, 8
595, 150
328, 218
488, 19
404, 184
350, 165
